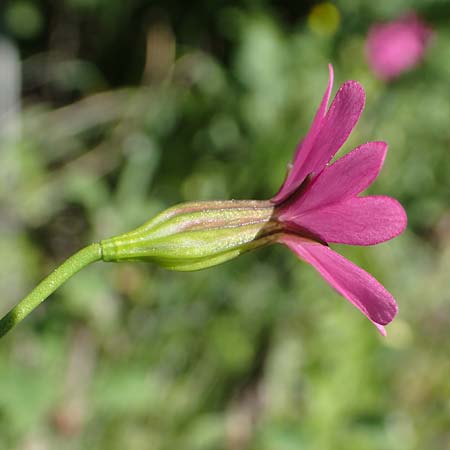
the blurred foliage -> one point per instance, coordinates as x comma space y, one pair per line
129, 107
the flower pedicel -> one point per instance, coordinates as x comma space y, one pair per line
317, 204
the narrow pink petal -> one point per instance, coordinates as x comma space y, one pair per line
337, 125
293, 181
344, 179
381, 329
306, 144
334, 130
355, 284
356, 221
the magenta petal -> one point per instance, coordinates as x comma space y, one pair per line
294, 179
337, 125
356, 221
306, 144
355, 284
381, 329
343, 179
334, 130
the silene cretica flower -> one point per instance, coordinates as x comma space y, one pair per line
317, 205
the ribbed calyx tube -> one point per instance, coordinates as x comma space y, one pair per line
197, 235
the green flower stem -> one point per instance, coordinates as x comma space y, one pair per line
189, 236
49, 285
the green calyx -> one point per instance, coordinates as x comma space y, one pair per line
197, 235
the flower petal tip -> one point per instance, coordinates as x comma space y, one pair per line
350, 99
403, 217
399, 218
352, 89
378, 146
381, 329
387, 315
330, 74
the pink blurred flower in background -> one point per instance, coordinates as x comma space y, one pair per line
395, 47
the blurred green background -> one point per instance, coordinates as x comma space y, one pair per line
118, 109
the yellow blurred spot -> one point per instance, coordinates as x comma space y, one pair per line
324, 19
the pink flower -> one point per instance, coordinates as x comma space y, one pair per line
394, 47
320, 204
